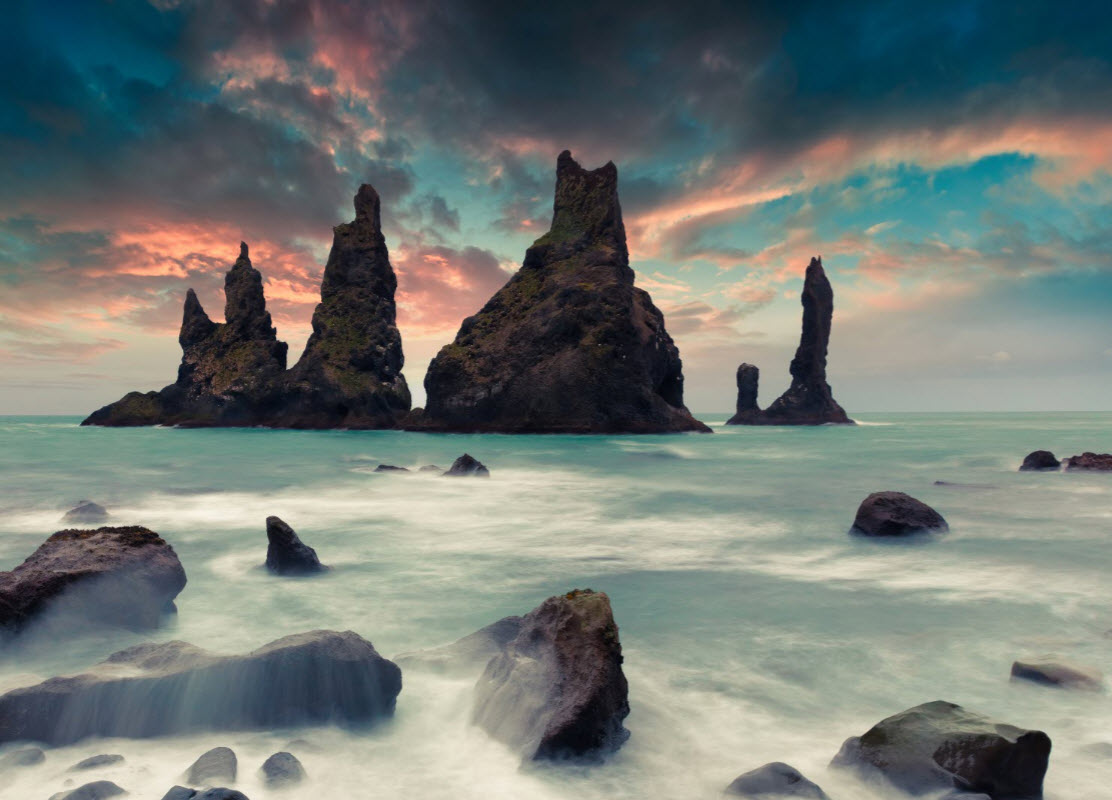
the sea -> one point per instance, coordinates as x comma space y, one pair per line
754, 627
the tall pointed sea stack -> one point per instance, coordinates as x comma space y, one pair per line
808, 401
568, 345
350, 375
229, 371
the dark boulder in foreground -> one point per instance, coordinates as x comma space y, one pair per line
1088, 462
569, 344
471, 653
315, 678
809, 400
97, 790
896, 514
217, 793
286, 554
1038, 461
23, 757
1056, 673
214, 766
776, 779
557, 690
116, 576
465, 466
282, 769
86, 513
940, 746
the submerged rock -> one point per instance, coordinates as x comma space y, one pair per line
23, 757
286, 554
471, 653
116, 576
569, 344
465, 466
315, 678
809, 400
282, 769
430, 468
1091, 462
390, 468
939, 746
557, 690
92, 762
216, 765
776, 779
97, 790
85, 513
896, 514
1049, 672
1039, 460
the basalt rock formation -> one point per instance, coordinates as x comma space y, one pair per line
896, 514
569, 344
286, 554
808, 401
1088, 462
126, 577
234, 373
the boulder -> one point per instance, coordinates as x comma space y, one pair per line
86, 513
940, 746
115, 576
315, 678
282, 769
180, 793
1038, 461
469, 654
465, 466
103, 760
217, 765
97, 790
1050, 672
23, 757
217, 793
896, 514
556, 690
390, 468
809, 400
1088, 462
286, 554
569, 344
776, 780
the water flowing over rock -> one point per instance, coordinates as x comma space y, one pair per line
234, 373
569, 344
126, 577
556, 690
315, 678
286, 554
777, 780
1088, 462
896, 514
809, 400
469, 654
1039, 460
939, 746
466, 466
1051, 672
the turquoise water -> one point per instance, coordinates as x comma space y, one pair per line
754, 628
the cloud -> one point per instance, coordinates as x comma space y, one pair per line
438, 286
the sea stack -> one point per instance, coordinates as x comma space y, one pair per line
350, 375
808, 401
569, 344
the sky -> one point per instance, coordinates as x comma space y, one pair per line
950, 161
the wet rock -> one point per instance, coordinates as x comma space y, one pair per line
180, 793
97, 790
809, 400
896, 514
940, 746
775, 779
315, 678
23, 757
569, 344
1049, 672
217, 765
86, 513
92, 762
282, 769
286, 554
116, 576
1088, 462
390, 468
465, 465
216, 793
557, 690
469, 654
1039, 460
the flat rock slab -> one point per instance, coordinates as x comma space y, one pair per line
1057, 673
93, 762
1089, 462
315, 678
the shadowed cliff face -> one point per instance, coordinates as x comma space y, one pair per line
808, 401
234, 373
568, 344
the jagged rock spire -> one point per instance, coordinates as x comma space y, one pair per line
195, 323
244, 302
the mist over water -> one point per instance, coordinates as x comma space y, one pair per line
754, 628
